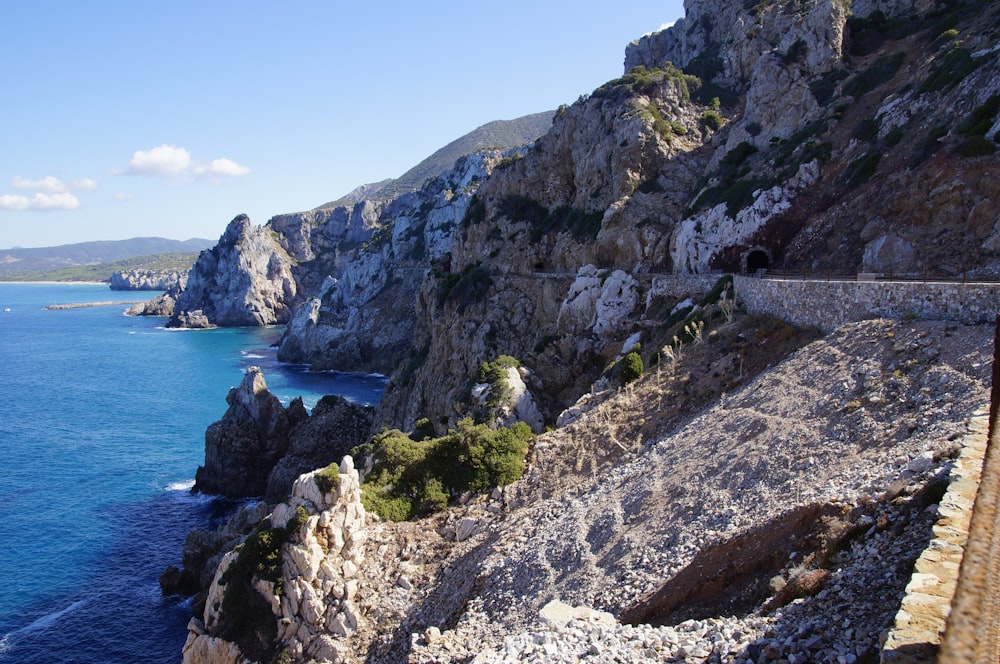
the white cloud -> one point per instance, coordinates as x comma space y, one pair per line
122, 196
176, 162
39, 202
48, 184
166, 160
227, 167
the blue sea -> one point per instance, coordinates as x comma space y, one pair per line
102, 423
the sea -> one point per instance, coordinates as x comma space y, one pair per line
102, 426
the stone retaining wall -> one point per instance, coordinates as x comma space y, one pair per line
920, 623
829, 304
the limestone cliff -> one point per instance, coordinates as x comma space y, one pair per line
245, 279
162, 280
363, 313
795, 135
297, 577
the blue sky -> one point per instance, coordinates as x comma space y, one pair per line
147, 118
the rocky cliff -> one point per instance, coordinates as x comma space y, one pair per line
749, 136
259, 447
246, 279
797, 135
162, 280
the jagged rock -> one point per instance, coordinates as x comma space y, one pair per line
363, 315
161, 305
163, 280
335, 426
175, 581
246, 279
243, 447
888, 254
312, 609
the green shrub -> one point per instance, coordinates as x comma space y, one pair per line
950, 69
476, 212
467, 287
977, 146
646, 80
863, 168
980, 119
246, 618
723, 285
866, 130
630, 367
824, 87
412, 478
881, 71
711, 120
929, 145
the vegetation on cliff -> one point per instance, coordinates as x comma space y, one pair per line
410, 478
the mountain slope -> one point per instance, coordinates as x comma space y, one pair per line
39, 259
497, 134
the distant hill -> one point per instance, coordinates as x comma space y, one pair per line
496, 134
44, 259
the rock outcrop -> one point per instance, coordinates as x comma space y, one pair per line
243, 447
161, 280
363, 314
259, 447
334, 427
309, 606
246, 279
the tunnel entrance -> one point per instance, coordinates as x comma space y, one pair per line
757, 260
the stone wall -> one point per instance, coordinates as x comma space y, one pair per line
829, 304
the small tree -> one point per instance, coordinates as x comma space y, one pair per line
631, 367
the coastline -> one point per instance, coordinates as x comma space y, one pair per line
59, 283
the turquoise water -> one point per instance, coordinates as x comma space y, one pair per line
102, 422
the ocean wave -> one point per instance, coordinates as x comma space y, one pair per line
252, 356
39, 624
185, 485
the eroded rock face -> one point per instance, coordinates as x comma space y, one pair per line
362, 314
249, 440
245, 280
163, 280
313, 606
334, 427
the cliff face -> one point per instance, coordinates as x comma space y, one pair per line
259, 447
163, 280
363, 314
793, 135
245, 279
811, 139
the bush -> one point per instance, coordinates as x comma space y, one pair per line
929, 145
863, 168
951, 68
413, 478
880, 72
630, 367
711, 120
466, 288
824, 87
723, 285
646, 80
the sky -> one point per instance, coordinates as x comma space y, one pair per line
127, 118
